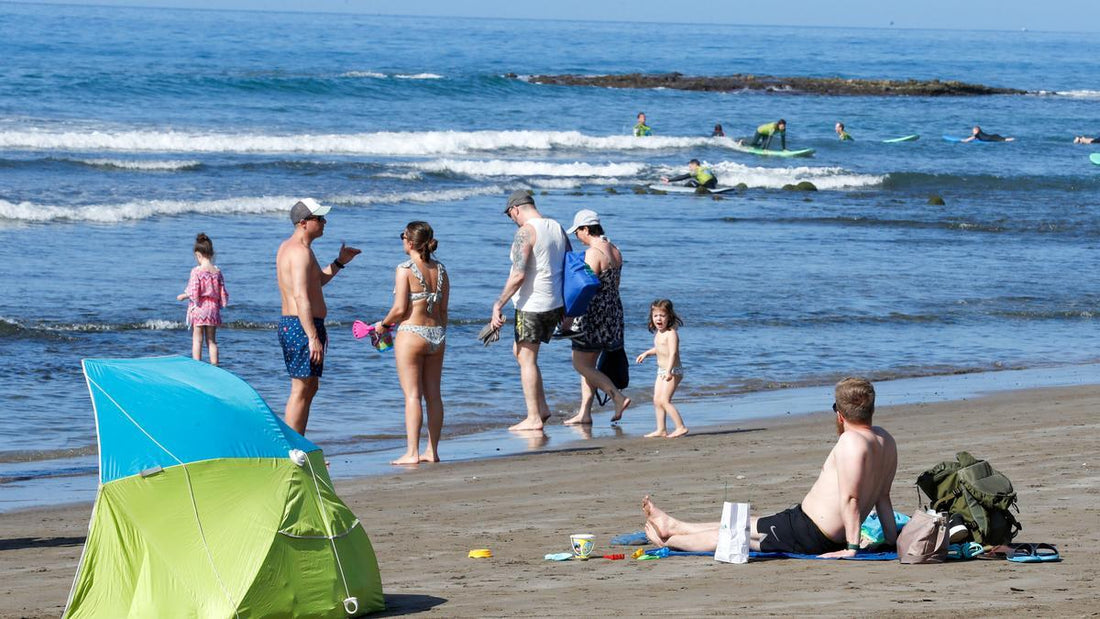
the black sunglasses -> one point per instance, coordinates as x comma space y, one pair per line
835, 409
402, 236
318, 218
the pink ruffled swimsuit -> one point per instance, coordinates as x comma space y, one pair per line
208, 295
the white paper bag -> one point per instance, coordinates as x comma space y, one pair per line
733, 534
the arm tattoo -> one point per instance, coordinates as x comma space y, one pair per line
519, 258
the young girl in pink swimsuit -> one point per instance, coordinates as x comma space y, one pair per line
207, 296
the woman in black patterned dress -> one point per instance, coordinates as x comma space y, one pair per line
601, 327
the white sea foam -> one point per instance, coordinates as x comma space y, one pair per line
155, 166
556, 183
129, 211
419, 76
370, 74
732, 173
153, 324
446, 195
426, 143
411, 175
500, 167
1075, 94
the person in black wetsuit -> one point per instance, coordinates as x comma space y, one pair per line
718, 132
982, 136
697, 176
1084, 139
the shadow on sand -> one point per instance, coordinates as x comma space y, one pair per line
20, 543
408, 603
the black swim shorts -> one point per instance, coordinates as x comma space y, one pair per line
792, 531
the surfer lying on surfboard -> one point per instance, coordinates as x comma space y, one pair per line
982, 136
697, 176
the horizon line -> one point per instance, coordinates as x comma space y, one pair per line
66, 3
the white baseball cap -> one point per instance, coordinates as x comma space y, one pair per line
584, 217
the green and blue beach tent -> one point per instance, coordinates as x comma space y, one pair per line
210, 506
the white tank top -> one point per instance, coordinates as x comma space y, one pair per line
541, 289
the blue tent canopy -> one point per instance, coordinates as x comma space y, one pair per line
165, 411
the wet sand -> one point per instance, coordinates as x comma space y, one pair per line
424, 521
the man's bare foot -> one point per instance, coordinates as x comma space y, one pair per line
579, 419
407, 459
429, 457
653, 536
661, 522
678, 432
528, 424
621, 404
656, 433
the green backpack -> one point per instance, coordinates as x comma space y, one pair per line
978, 493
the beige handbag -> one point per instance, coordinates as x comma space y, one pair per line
923, 539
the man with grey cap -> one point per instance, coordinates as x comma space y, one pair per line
535, 287
302, 326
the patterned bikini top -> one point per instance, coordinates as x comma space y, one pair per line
431, 297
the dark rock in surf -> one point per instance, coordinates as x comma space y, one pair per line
783, 85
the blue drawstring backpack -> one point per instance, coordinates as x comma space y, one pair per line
579, 283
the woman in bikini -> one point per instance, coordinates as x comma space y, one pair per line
601, 327
420, 295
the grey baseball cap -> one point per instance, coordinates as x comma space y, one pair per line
519, 197
307, 207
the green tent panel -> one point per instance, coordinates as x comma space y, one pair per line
251, 536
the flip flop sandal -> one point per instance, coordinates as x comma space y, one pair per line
1034, 553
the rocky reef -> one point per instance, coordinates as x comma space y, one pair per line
770, 83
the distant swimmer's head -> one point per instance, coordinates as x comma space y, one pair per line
840, 127
976, 130
307, 210
641, 117
855, 401
782, 124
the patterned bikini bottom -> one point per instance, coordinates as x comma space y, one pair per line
435, 336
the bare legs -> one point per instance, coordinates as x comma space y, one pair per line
664, 530
663, 390
538, 411
430, 385
208, 333
420, 373
592, 379
302, 391
196, 342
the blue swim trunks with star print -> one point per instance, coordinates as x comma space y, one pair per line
295, 345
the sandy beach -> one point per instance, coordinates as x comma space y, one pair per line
423, 522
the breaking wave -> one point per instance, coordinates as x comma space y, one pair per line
732, 173
423, 143
136, 164
497, 167
144, 209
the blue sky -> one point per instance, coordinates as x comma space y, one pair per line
1057, 15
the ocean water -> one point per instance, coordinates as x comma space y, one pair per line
124, 132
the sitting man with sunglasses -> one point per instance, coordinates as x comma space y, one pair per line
856, 477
